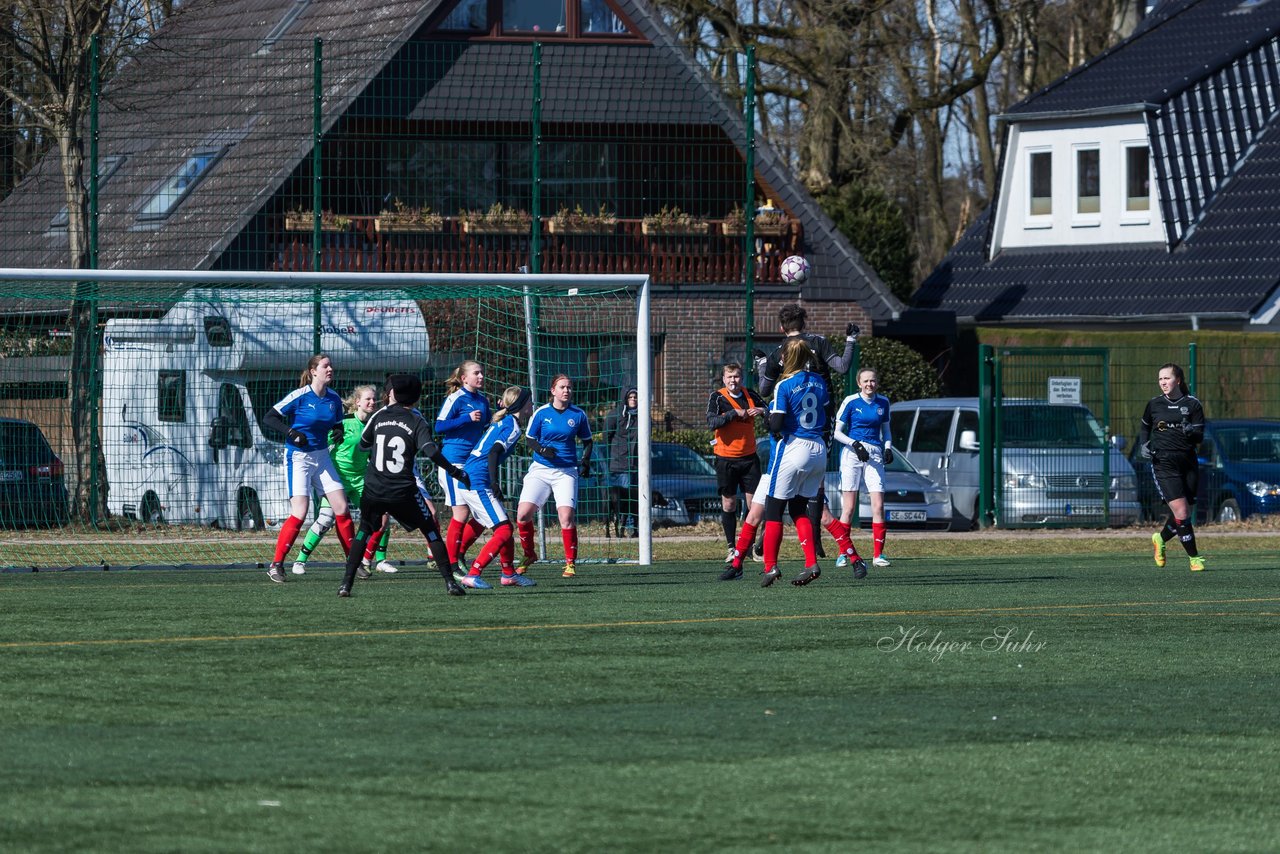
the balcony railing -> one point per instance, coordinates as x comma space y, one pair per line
713, 257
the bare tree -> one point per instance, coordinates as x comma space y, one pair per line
53, 43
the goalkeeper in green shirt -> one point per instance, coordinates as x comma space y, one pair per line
350, 462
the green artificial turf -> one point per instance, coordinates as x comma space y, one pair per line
649, 709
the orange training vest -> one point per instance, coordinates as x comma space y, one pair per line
737, 438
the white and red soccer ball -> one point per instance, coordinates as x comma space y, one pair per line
794, 269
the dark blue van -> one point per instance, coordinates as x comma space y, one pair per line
1239, 472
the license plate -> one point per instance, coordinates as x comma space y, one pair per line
906, 515
1085, 510
10, 476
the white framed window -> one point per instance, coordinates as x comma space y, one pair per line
1137, 182
107, 167
179, 185
1088, 185
1040, 188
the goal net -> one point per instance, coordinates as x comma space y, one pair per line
131, 403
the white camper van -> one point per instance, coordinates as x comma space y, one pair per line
181, 437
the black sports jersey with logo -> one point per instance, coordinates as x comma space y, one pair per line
394, 436
820, 364
1163, 425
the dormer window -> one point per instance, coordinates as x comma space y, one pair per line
1088, 184
1040, 172
1137, 179
534, 18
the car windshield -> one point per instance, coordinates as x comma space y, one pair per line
22, 443
677, 459
1046, 426
1249, 445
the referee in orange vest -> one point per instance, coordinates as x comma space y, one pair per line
731, 415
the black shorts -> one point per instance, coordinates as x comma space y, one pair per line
410, 512
733, 473
1176, 477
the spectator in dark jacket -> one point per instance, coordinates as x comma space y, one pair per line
621, 429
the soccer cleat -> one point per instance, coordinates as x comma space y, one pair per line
344, 592
527, 560
386, 566
568, 571
518, 581
757, 554
453, 588
842, 560
859, 568
730, 555
458, 574
770, 576
810, 573
475, 582
1157, 543
880, 561
731, 573
299, 568
1197, 564
362, 571
276, 573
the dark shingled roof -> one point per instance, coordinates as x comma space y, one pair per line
1180, 42
1221, 210
208, 53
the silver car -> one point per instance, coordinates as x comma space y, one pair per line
911, 500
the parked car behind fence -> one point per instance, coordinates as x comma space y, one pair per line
32, 490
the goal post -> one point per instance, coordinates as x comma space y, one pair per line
182, 366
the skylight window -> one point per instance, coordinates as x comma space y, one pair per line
106, 168
180, 184
290, 17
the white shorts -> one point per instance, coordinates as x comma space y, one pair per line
762, 488
854, 472
484, 506
543, 481
798, 470
310, 473
449, 488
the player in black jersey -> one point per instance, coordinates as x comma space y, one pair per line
394, 436
1172, 428
792, 320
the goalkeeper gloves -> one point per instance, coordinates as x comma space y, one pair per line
888, 455
297, 438
861, 451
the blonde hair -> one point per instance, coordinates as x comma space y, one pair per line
508, 397
796, 356
311, 366
349, 402
454, 382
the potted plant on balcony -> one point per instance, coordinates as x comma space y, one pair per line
578, 221
401, 218
304, 221
498, 219
673, 221
769, 222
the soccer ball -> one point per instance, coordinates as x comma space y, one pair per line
794, 270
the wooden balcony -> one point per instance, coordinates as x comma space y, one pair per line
710, 258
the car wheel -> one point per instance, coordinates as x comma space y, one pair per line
150, 511
248, 512
1228, 511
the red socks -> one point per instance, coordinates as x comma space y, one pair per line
507, 557
772, 543
804, 533
746, 538
569, 537
346, 531
840, 533
500, 539
877, 538
470, 533
288, 533
526, 538
372, 545
453, 539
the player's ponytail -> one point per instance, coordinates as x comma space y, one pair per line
454, 382
311, 366
796, 356
508, 397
